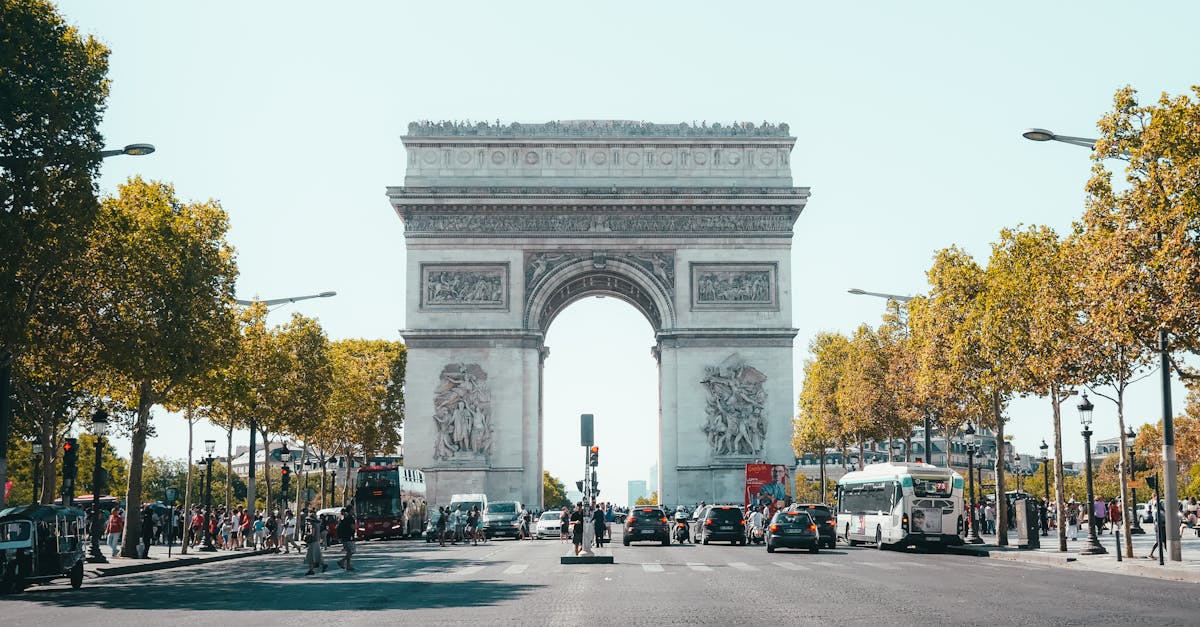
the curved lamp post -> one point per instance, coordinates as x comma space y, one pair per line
1170, 460
1046, 484
1135, 527
251, 492
36, 448
1092, 545
99, 428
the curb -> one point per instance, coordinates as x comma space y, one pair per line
1127, 568
151, 566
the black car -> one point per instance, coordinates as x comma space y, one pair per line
825, 520
723, 522
793, 529
647, 523
503, 519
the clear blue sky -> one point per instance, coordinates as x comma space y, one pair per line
907, 118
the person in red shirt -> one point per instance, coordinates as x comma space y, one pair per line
1114, 515
116, 525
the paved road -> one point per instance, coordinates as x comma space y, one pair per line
507, 582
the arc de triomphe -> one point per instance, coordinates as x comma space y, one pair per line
506, 226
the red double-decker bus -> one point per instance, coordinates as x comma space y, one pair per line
389, 502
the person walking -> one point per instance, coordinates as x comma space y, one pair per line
345, 534
598, 525
1072, 520
147, 531
443, 514
1160, 527
564, 525
116, 525
1099, 514
1114, 515
989, 518
289, 532
576, 521
314, 533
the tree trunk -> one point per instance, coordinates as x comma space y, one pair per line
862, 454
49, 439
908, 448
823, 499
187, 491
1001, 501
321, 471
133, 496
1060, 502
1125, 475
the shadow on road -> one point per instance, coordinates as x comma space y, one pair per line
278, 585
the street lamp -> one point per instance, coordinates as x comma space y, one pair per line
6, 356
904, 301
1170, 464
99, 427
1136, 527
250, 491
207, 461
36, 447
1045, 483
969, 437
1092, 545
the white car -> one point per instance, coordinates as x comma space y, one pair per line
548, 524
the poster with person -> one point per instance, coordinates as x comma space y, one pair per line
768, 484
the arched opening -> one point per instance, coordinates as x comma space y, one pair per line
600, 362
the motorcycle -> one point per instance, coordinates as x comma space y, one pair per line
682, 533
754, 534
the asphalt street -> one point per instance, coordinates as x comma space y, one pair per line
509, 582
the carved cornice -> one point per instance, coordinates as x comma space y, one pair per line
473, 225
594, 128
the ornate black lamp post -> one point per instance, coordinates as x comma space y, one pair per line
207, 461
1092, 545
36, 447
1046, 484
99, 427
969, 437
1136, 527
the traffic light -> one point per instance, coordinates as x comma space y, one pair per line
579, 486
594, 456
286, 473
70, 469
595, 484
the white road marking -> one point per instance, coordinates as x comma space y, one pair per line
791, 566
742, 566
468, 570
516, 569
698, 566
828, 564
652, 568
885, 566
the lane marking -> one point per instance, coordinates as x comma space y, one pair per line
516, 569
885, 566
830, 564
652, 568
698, 566
742, 566
791, 566
468, 570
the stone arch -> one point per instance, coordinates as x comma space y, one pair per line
588, 277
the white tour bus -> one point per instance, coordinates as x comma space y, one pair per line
901, 504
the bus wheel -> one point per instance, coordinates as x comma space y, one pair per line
847, 536
879, 539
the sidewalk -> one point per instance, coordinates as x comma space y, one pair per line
159, 560
1187, 570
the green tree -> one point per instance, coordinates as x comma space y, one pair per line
53, 88
554, 493
819, 424
163, 277
647, 500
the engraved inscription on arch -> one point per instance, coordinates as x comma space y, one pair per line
464, 286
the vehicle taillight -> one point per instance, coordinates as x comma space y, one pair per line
904, 522
774, 527
743, 521
631, 520
812, 527
708, 523
664, 519
832, 522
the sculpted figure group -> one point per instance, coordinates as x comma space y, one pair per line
736, 401
462, 412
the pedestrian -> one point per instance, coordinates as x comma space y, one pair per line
1160, 527
1072, 520
1099, 514
1114, 514
989, 518
147, 531
289, 532
443, 514
257, 534
576, 521
345, 534
116, 525
479, 520
564, 525
598, 525
314, 533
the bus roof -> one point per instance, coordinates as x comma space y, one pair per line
886, 470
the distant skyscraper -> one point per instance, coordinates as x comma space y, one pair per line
637, 490
653, 484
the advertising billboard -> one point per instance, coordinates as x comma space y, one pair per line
768, 484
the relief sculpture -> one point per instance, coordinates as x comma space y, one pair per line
462, 411
538, 265
661, 265
736, 403
733, 286
464, 285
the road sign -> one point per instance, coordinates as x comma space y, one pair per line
585, 430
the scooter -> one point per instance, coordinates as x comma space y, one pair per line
754, 534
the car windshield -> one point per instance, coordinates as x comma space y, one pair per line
16, 531
799, 518
551, 515
502, 508
648, 513
466, 506
725, 513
